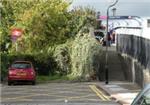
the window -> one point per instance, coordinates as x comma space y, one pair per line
21, 65
148, 22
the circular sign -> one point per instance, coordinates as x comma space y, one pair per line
16, 32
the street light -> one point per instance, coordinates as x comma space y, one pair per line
114, 11
106, 57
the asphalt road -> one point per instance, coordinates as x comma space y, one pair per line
54, 94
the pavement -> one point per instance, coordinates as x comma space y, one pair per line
119, 89
122, 92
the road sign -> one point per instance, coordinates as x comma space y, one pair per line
103, 17
16, 32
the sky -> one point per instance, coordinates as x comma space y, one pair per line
124, 7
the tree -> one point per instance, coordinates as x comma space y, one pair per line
44, 22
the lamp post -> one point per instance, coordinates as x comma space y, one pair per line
106, 56
114, 11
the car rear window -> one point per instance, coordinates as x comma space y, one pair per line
21, 65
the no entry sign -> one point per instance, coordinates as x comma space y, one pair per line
16, 32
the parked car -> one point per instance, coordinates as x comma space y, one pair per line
143, 98
21, 71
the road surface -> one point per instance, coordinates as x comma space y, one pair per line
85, 93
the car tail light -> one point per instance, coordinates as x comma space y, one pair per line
32, 73
10, 73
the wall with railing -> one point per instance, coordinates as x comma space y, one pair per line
133, 42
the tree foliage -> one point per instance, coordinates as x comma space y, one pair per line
44, 22
52, 35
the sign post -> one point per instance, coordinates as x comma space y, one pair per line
15, 34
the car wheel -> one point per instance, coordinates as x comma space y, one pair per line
33, 82
9, 83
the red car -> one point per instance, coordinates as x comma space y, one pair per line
21, 71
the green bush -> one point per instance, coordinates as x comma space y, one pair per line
46, 65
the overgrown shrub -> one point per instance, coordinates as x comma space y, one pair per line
84, 49
62, 57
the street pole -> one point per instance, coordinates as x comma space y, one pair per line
114, 11
107, 43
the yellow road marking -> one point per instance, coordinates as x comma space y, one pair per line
99, 93
106, 97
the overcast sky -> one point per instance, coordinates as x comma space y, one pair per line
124, 7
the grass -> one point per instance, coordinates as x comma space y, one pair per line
52, 78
